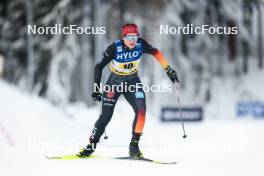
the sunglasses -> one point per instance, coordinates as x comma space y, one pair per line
131, 38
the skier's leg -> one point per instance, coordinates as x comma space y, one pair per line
138, 103
108, 104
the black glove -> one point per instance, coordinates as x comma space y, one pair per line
97, 96
172, 74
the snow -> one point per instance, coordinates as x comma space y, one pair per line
36, 128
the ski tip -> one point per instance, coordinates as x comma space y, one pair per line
53, 157
62, 157
161, 162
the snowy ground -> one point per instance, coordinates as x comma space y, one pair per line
31, 128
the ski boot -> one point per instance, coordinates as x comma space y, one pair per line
134, 148
88, 150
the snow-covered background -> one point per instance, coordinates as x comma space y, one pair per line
31, 128
46, 82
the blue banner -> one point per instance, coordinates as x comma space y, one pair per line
255, 109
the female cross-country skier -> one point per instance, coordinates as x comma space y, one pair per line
124, 56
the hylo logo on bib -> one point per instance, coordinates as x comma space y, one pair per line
128, 55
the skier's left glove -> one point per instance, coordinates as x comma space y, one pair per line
172, 74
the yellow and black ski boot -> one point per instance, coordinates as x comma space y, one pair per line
87, 151
134, 148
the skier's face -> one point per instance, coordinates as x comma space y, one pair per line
130, 40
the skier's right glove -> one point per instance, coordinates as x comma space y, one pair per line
97, 96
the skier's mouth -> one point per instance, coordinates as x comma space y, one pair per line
132, 45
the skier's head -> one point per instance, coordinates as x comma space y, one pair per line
130, 35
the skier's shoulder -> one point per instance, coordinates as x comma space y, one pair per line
142, 40
112, 45
110, 51
147, 48
144, 43
118, 42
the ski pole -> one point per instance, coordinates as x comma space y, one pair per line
180, 109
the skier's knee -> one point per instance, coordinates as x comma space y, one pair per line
141, 110
102, 121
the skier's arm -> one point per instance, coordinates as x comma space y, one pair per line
172, 74
147, 48
160, 58
108, 55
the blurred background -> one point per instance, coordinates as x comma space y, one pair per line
43, 76
60, 67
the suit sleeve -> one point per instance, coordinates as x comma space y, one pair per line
108, 55
147, 48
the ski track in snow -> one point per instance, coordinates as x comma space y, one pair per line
213, 147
